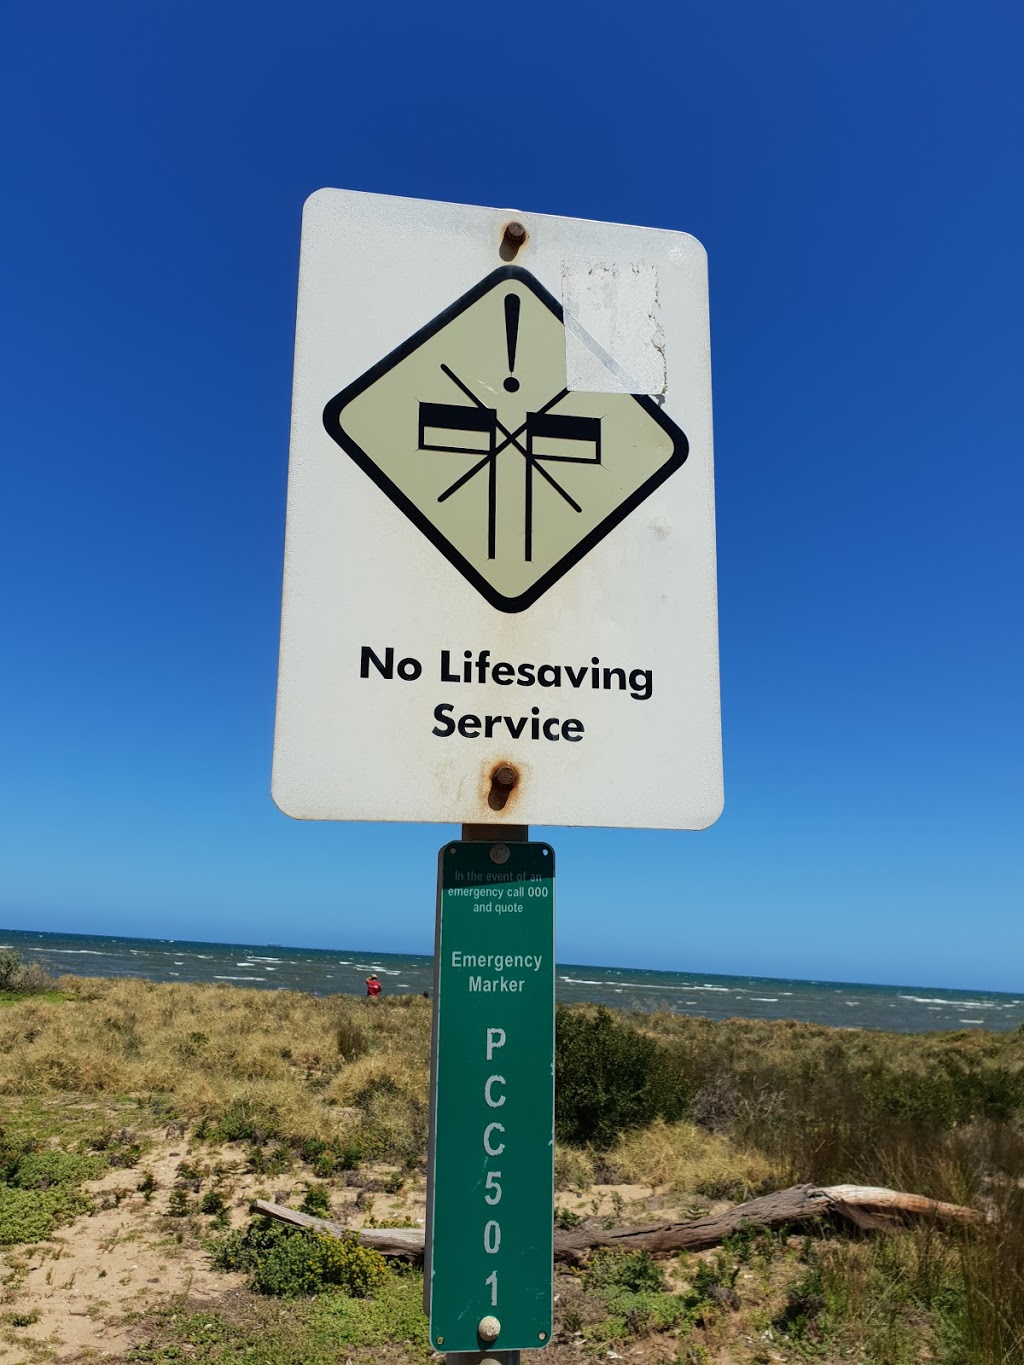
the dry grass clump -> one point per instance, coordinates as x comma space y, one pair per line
207, 1051
390, 1090
575, 1168
689, 1160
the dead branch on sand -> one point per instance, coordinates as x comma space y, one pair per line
867, 1207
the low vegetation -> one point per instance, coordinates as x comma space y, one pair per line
18, 978
39, 1191
669, 1112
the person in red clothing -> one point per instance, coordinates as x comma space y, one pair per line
372, 986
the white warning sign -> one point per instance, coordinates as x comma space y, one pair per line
499, 589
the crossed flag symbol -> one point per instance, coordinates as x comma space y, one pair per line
542, 425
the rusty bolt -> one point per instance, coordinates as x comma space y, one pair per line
505, 776
515, 234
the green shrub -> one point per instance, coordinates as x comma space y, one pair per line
38, 1190
609, 1077
289, 1262
33, 1215
636, 1271
120, 1146
273, 1160
44, 1170
28, 1319
718, 1273
190, 1176
316, 1200
394, 1315
640, 1314
327, 1157
309, 1263
179, 1205
245, 1121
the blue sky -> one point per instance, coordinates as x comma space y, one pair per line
853, 173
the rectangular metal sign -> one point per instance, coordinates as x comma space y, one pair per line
490, 1210
501, 538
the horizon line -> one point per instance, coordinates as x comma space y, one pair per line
606, 966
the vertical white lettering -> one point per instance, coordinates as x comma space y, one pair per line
491, 1183
489, 1099
493, 1128
492, 1280
492, 1238
495, 1038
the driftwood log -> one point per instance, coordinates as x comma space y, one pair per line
866, 1206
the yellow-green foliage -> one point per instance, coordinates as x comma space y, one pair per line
32, 1215
38, 1191
208, 1050
291, 1263
690, 1160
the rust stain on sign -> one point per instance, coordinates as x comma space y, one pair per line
503, 779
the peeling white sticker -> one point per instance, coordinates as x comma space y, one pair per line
614, 339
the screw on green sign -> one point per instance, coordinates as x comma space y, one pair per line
490, 1213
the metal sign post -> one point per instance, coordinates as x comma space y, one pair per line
488, 1274
499, 610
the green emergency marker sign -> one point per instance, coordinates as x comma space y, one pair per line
490, 1213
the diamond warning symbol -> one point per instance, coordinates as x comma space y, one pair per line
469, 428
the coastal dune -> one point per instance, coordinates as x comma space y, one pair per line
149, 1116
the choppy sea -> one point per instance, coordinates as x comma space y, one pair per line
327, 971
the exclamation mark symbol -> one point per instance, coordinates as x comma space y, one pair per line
512, 302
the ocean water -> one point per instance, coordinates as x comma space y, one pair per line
328, 971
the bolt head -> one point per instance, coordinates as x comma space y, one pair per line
515, 232
500, 853
488, 1328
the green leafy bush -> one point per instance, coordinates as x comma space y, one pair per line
243, 1121
327, 1157
179, 1205
720, 1272
636, 1271
44, 1170
33, 1215
289, 1262
38, 1189
316, 1200
609, 1077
